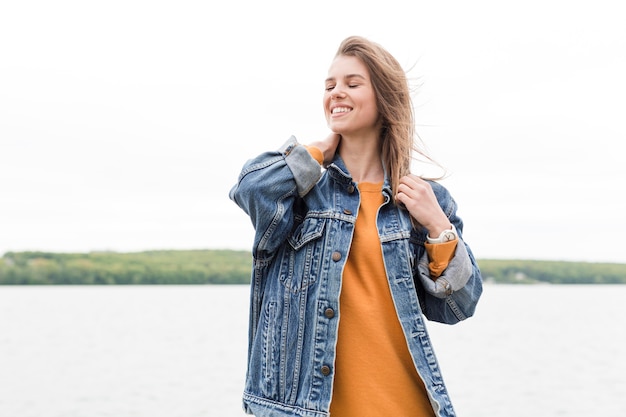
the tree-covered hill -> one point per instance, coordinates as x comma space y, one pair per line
233, 267
552, 272
150, 267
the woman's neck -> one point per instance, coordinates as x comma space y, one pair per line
362, 157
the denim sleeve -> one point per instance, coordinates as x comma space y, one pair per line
267, 189
454, 295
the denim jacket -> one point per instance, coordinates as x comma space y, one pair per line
304, 218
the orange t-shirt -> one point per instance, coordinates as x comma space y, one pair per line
374, 372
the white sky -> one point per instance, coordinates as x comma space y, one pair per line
123, 124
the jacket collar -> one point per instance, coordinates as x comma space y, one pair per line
338, 172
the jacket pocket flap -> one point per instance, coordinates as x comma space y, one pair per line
310, 229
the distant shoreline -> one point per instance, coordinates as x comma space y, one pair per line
225, 266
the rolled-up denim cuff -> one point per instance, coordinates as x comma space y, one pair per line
306, 170
453, 278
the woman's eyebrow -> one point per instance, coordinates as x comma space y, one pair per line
348, 76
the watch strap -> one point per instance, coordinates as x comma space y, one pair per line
445, 236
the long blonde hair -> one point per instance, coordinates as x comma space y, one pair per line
394, 103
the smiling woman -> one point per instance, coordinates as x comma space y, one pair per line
348, 260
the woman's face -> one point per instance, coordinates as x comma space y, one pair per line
349, 99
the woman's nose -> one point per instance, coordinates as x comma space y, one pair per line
338, 92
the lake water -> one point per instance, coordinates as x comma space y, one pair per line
179, 351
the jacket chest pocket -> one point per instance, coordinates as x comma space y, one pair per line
301, 264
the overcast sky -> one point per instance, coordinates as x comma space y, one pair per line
123, 124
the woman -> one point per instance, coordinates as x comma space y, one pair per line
351, 251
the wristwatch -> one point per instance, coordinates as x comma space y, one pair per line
445, 236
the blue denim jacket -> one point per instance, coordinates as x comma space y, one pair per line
303, 218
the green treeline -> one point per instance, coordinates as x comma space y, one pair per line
233, 267
150, 267
551, 272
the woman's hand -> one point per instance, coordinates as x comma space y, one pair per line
328, 146
419, 199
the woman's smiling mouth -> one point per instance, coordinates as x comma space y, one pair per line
341, 110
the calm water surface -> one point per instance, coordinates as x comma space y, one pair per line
170, 351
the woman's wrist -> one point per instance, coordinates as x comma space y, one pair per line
445, 235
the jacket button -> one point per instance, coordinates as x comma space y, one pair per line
346, 211
325, 370
350, 188
336, 256
329, 313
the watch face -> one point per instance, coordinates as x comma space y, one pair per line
448, 236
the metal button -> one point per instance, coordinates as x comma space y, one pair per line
346, 211
336, 256
350, 188
325, 370
329, 313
